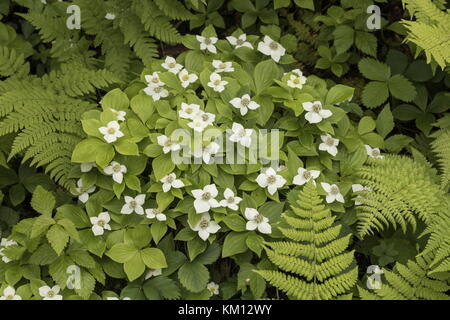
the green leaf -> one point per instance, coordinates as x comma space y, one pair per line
343, 38
366, 42
86, 150
127, 147
195, 247
265, 73
122, 252
162, 166
339, 94
58, 238
153, 258
385, 122
374, 70
193, 276
307, 4
235, 222
401, 88
143, 106
375, 94
210, 255
397, 142
40, 225
43, 201
234, 243
366, 125
134, 267
115, 99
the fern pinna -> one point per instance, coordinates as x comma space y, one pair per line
314, 263
44, 115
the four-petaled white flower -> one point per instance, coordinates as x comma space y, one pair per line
48, 293
153, 80
5, 243
87, 166
257, 221
373, 152
116, 170
100, 223
187, 78
216, 82
188, 111
205, 198
110, 16
167, 144
9, 293
271, 48
315, 112
213, 288
207, 43
241, 135
155, 213
83, 193
206, 152
329, 144
120, 115
304, 176
221, 66
201, 120
333, 193
296, 81
244, 103
240, 41
358, 188
171, 65
230, 201
153, 273
111, 132
171, 181
205, 227
133, 205
156, 92
271, 180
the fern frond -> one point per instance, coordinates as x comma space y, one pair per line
174, 9
316, 260
12, 63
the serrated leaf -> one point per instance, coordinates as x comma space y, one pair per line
375, 94
43, 201
401, 88
193, 276
58, 238
153, 258
374, 70
385, 122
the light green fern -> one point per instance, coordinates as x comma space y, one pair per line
314, 263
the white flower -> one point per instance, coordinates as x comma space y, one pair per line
207, 43
83, 194
333, 193
213, 288
153, 273
201, 120
315, 112
329, 144
207, 152
111, 132
171, 65
230, 201
115, 298
244, 103
188, 111
358, 188
155, 213
5, 243
187, 78
167, 144
271, 180
171, 181
298, 72
271, 48
133, 205
116, 170
120, 115
100, 223
240, 41
110, 16
296, 81
87, 166
10, 294
153, 80
257, 220
374, 152
304, 176
156, 92
221, 66
241, 135
48, 293
216, 82
205, 227
205, 199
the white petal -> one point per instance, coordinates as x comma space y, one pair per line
325, 114
43, 291
251, 213
265, 228
166, 187
262, 180
251, 225
326, 186
177, 184
126, 209
201, 206
203, 234
313, 117
140, 199
212, 189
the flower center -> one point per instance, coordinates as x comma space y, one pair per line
185, 77
157, 211
111, 130
242, 133
307, 175
206, 196
133, 204
230, 200
271, 179
168, 143
217, 82
155, 80
10, 297
50, 294
204, 224
208, 41
239, 42
330, 142
245, 102
334, 190
157, 89
172, 65
316, 107
375, 153
297, 81
273, 45
205, 117
101, 223
170, 179
117, 168
259, 218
